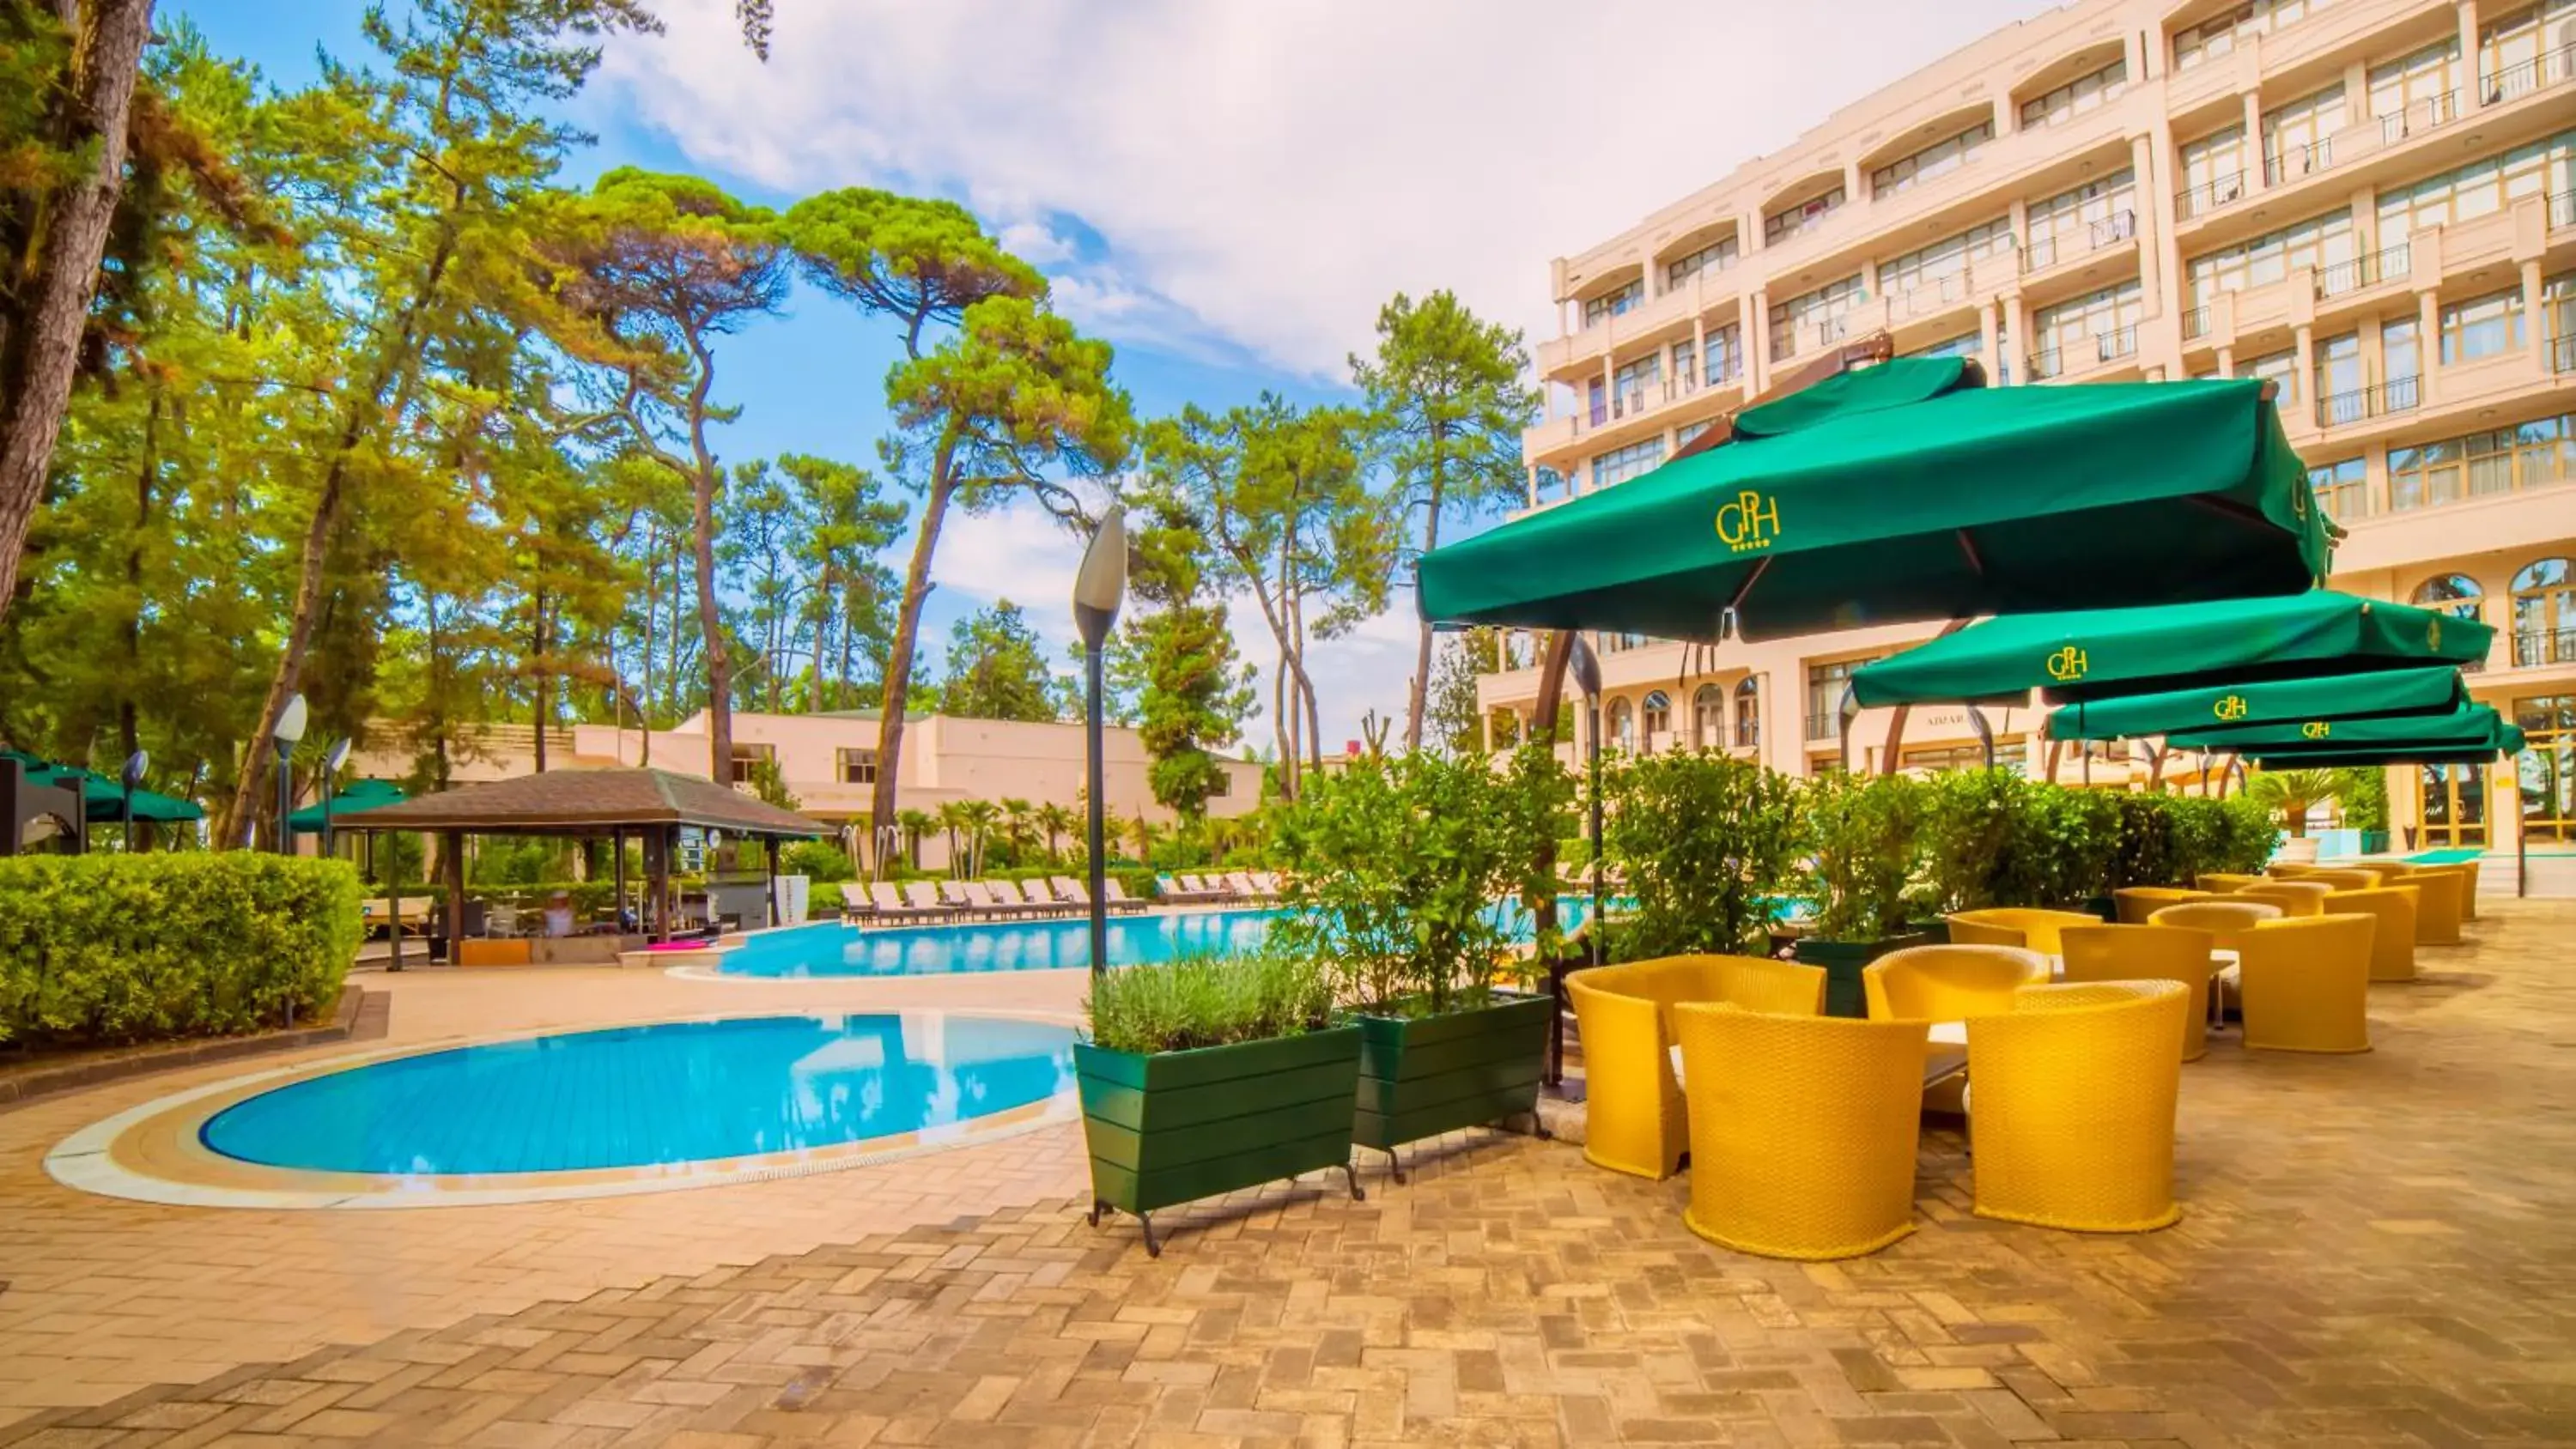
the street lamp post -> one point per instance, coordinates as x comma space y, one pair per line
290, 729
1098, 589
332, 760
1586, 667
135, 765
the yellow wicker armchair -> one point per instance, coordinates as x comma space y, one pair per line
2072, 1115
1803, 1130
2441, 891
2304, 986
2015, 926
2149, 953
2355, 878
1948, 983
2468, 892
1636, 1117
2136, 903
2224, 920
2221, 883
2392, 945
2296, 898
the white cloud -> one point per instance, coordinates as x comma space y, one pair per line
1267, 174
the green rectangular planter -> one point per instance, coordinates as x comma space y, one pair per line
1168, 1127
1422, 1076
1843, 960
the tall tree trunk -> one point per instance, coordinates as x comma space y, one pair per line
1422, 647
907, 628
537, 656
40, 347
128, 731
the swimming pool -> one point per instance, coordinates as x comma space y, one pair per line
651, 1096
830, 948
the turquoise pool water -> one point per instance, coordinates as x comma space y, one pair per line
832, 949
652, 1095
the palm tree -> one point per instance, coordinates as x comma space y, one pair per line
914, 824
979, 817
1019, 831
2293, 793
952, 818
1058, 822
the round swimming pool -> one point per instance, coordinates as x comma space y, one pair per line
651, 1096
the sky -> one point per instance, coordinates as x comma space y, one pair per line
1227, 190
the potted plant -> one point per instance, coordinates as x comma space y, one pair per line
1209, 1075
1862, 832
1396, 869
1707, 845
1968, 822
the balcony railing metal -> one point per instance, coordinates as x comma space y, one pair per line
2195, 322
2533, 648
2562, 355
2418, 116
2552, 68
1823, 726
2045, 365
2562, 209
2047, 249
2115, 344
2386, 264
2298, 161
2397, 395
2209, 195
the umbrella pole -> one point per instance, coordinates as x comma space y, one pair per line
393, 909
617, 853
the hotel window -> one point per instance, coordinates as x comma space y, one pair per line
2547, 766
747, 756
1611, 304
2278, 368
1717, 256
1223, 785
2527, 455
1639, 384
1659, 715
1788, 221
2515, 54
2077, 96
1687, 431
1621, 464
1723, 362
2482, 327
1623, 726
2318, 242
1708, 717
1825, 683
1946, 258
2418, 90
1621, 643
2296, 136
2087, 330
2341, 489
2219, 34
2544, 614
1748, 712
1938, 159
2213, 170
2338, 382
1814, 319
1966, 344
2069, 223
2480, 188
858, 767
2457, 595
1685, 367
2399, 356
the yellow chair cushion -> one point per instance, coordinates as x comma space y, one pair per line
2223, 919
1636, 1116
2294, 897
1948, 983
2149, 953
2392, 944
2136, 903
2304, 985
2072, 1113
2015, 926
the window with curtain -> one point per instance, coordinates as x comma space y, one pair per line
2318, 242
2086, 92
1717, 256
2482, 327
2544, 614
2342, 489
1623, 726
1748, 712
1708, 717
1938, 159
1611, 304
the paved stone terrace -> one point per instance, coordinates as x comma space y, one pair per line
2376, 1251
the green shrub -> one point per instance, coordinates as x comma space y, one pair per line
1205, 1001
1705, 840
821, 861
2060, 850
1970, 828
1863, 832
124, 948
2144, 852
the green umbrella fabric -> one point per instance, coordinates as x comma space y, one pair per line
2510, 744
1901, 493
103, 799
2477, 727
355, 796
2430, 690
2112, 653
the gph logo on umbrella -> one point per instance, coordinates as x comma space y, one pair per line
2067, 663
2230, 707
2316, 729
1750, 522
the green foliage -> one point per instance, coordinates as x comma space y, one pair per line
2232, 836
2061, 848
1178, 658
1394, 866
518, 861
1969, 831
1205, 1001
1863, 832
2362, 791
818, 860
2144, 851
120, 948
1704, 840
2290, 793
997, 669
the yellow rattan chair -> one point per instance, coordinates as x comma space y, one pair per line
2072, 1112
2224, 920
2441, 892
2136, 903
2469, 892
2304, 986
2221, 883
1636, 1116
2291, 869
2149, 953
1948, 983
2342, 878
1803, 1130
2296, 898
2392, 945
2015, 926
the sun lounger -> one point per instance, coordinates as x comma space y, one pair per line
1048, 900
923, 896
953, 893
1241, 884
855, 904
1117, 897
893, 909
996, 898
1070, 891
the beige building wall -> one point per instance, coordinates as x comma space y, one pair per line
2371, 201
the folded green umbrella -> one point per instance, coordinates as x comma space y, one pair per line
2511, 744
2113, 653
2430, 690
1904, 492
103, 799
355, 796
2477, 727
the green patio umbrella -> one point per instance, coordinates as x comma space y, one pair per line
1904, 492
2509, 743
351, 798
2429, 690
103, 799
2477, 727
2111, 653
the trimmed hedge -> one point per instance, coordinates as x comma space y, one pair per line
127, 948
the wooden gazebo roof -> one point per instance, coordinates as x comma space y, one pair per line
558, 802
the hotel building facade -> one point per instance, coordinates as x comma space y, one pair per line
2370, 202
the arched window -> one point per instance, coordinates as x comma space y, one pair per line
2544, 613
1623, 727
1659, 716
1708, 717
2455, 594
1748, 712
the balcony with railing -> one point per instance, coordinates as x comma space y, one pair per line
2292, 163
2195, 322
2562, 209
2552, 68
2047, 249
2209, 195
2562, 355
1824, 726
2084, 354
2539, 648
2424, 113
2388, 264
2396, 395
